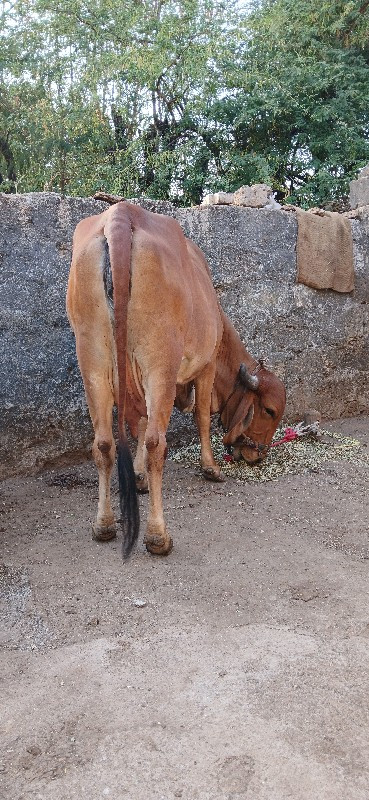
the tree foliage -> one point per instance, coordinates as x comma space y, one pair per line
175, 98
303, 88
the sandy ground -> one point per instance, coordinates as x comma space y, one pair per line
237, 667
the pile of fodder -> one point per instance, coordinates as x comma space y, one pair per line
308, 453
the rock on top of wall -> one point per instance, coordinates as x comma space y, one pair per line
255, 196
218, 199
259, 195
359, 189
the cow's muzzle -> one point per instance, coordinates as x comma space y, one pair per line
244, 442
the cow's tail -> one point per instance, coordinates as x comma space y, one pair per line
118, 233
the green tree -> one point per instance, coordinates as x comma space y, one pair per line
120, 92
173, 98
298, 95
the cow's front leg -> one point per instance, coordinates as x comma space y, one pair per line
157, 538
142, 484
203, 388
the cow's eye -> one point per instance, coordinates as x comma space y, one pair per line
270, 412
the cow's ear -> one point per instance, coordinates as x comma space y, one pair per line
241, 419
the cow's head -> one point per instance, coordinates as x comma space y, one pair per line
253, 413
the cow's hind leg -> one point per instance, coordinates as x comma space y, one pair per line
139, 462
103, 450
157, 539
89, 315
97, 372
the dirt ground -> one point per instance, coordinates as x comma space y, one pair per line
237, 667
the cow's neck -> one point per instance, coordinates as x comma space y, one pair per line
232, 353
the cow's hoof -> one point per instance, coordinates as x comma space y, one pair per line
158, 545
142, 485
212, 474
103, 533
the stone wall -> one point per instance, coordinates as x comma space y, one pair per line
317, 341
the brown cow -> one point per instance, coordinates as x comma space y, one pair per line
163, 339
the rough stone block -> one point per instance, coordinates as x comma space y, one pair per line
218, 199
364, 172
255, 196
359, 192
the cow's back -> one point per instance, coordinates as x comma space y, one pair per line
173, 309
173, 304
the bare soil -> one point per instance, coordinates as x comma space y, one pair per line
237, 667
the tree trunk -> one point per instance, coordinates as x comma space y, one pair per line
8, 156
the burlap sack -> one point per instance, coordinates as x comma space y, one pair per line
325, 251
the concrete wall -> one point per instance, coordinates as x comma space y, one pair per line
316, 340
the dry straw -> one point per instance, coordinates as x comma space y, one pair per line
291, 458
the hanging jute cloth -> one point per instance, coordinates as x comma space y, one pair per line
324, 251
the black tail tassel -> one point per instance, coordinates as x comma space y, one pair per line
130, 516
